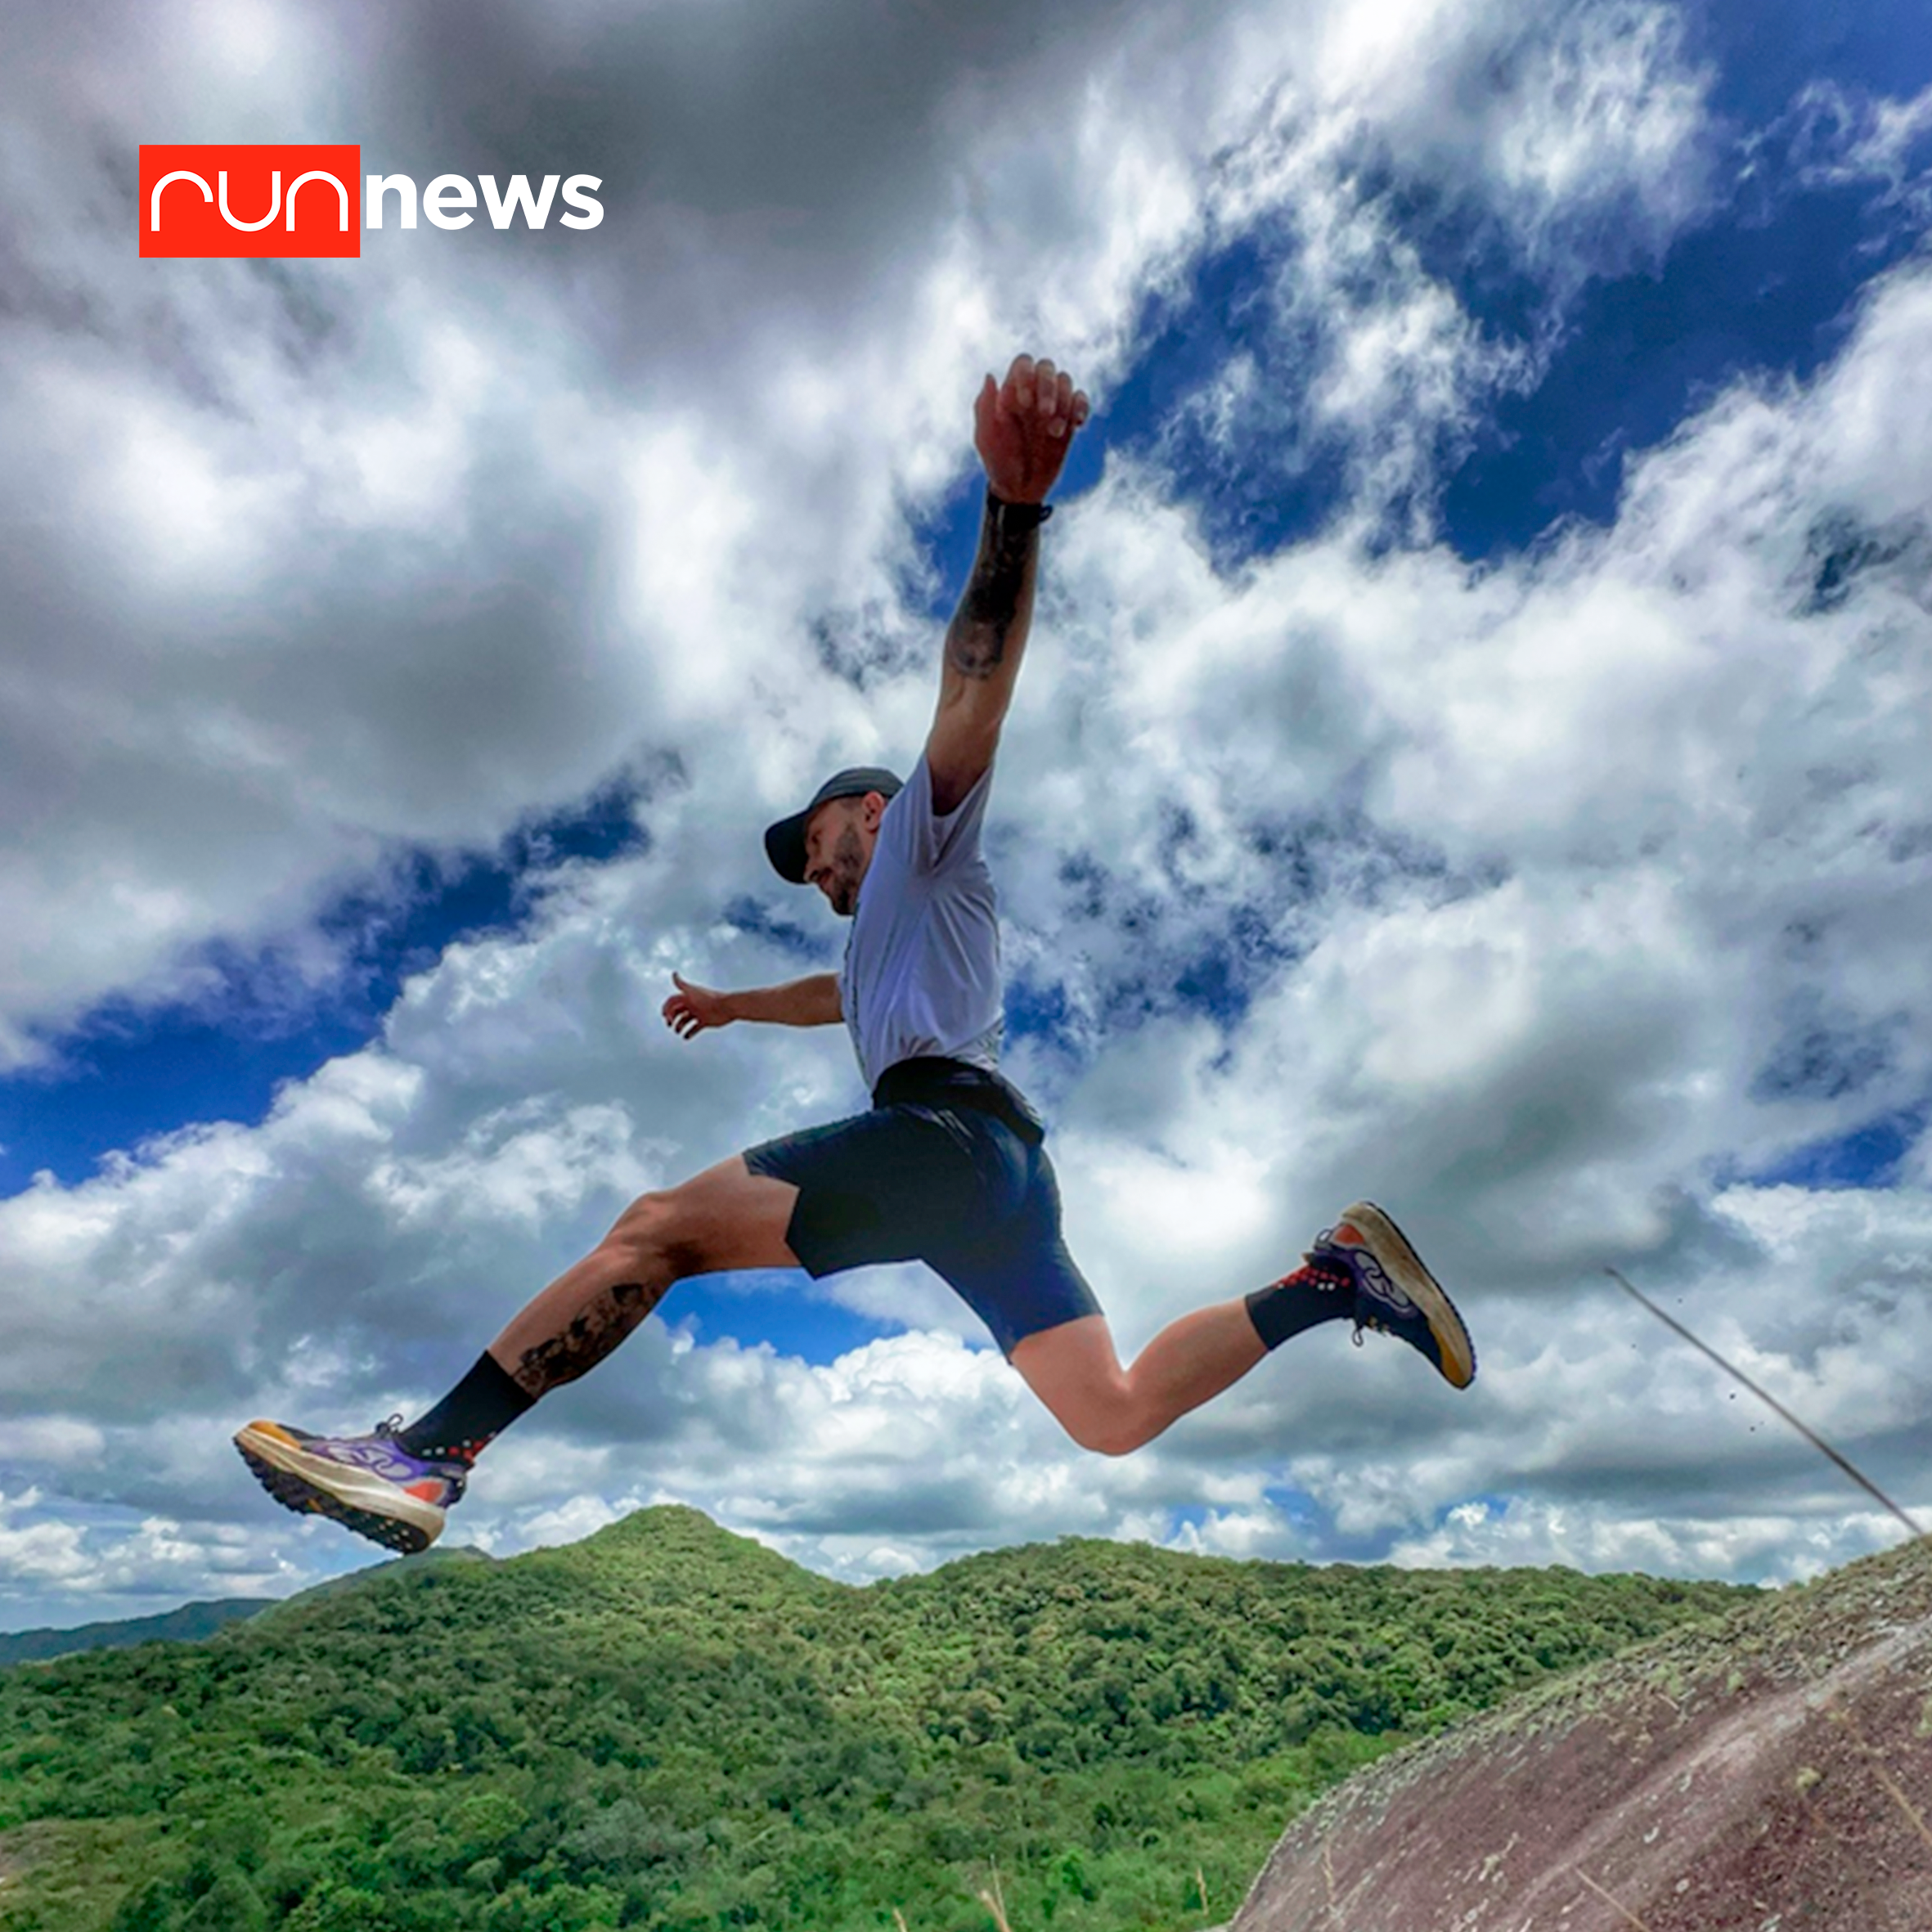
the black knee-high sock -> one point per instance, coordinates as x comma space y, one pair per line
1303, 1300
478, 1408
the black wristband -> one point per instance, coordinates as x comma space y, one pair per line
1017, 516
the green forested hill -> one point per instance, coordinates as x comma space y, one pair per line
669, 1727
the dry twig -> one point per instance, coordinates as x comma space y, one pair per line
995, 1902
1609, 1898
1876, 1758
1769, 1400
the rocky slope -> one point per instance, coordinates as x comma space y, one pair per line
1769, 1773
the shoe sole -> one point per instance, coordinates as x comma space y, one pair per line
311, 1485
1390, 1247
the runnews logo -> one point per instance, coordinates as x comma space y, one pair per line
264, 199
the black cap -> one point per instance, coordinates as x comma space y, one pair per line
784, 842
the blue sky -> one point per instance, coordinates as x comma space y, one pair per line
363, 857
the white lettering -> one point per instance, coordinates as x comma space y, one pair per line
592, 209
154, 219
319, 174
445, 194
405, 187
446, 200
274, 202
535, 210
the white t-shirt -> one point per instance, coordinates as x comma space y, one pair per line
922, 961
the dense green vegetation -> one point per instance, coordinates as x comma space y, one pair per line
670, 1727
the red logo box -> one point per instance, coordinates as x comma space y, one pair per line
253, 199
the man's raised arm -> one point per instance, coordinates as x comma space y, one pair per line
1021, 428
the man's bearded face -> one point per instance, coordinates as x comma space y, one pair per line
836, 856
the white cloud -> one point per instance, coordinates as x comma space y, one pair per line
40, 1552
1771, 1549
343, 555
1848, 136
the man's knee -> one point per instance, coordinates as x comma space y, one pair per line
658, 1232
1108, 1425
1073, 1370
1109, 1436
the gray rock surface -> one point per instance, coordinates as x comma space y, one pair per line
1772, 1772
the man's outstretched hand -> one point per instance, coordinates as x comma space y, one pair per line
691, 1010
1023, 427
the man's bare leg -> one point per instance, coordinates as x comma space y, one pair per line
726, 1217
1075, 1372
1362, 1269
395, 1486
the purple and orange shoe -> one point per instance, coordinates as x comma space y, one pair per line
1394, 1293
370, 1484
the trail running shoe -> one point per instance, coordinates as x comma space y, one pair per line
370, 1484
1394, 1293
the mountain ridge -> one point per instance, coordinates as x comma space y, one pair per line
187, 1623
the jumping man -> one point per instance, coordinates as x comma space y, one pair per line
947, 1166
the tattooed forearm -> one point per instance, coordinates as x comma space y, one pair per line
599, 1325
1000, 589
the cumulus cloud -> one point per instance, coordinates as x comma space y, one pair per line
315, 560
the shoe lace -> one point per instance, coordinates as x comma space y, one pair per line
392, 1426
1330, 1276
1343, 1279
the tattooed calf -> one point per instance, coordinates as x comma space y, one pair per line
605, 1320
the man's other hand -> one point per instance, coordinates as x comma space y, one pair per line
1023, 427
691, 1009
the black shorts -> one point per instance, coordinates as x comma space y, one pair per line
966, 1188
